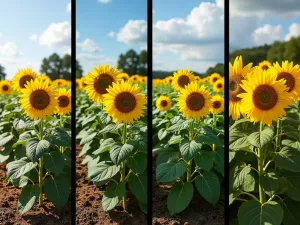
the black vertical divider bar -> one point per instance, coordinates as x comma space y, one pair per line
73, 117
149, 109
226, 111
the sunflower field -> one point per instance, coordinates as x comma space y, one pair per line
188, 128
112, 134
35, 138
264, 143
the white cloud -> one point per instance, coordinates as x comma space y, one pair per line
33, 37
133, 33
1, 35
9, 49
153, 11
88, 45
77, 35
104, 1
69, 7
111, 34
57, 35
294, 31
267, 34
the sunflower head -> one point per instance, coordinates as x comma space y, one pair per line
22, 77
265, 98
64, 101
214, 77
124, 102
78, 83
163, 103
59, 83
219, 85
217, 104
194, 101
98, 81
5, 87
123, 76
264, 65
182, 78
38, 99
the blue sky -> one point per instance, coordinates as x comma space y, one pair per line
99, 24
188, 34
26, 34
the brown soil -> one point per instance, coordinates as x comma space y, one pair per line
89, 210
47, 214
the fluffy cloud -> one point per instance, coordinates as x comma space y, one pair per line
267, 34
69, 7
33, 37
104, 1
57, 35
133, 33
111, 34
1, 35
9, 49
88, 45
294, 31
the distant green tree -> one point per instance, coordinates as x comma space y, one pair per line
218, 68
291, 51
162, 74
79, 70
2, 73
53, 67
142, 63
276, 52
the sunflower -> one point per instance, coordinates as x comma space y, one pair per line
214, 77
98, 81
38, 99
124, 102
219, 86
83, 83
64, 101
217, 104
163, 103
237, 73
265, 98
123, 76
182, 78
168, 80
291, 75
265, 65
59, 83
194, 101
22, 77
143, 79
5, 87
197, 79
134, 78
78, 83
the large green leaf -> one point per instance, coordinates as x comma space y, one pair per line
189, 148
36, 148
5, 138
175, 139
293, 184
291, 213
54, 162
240, 144
28, 198
57, 190
259, 140
208, 186
138, 187
249, 183
60, 138
162, 133
254, 213
18, 168
119, 153
112, 195
102, 171
205, 160
179, 197
288, 158
219, 161
167, 172
137, 162
240, 172
270, 183
168, 155
104, 146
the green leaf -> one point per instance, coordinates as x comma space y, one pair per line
138, 187
249, 183
270, 183
60, 138
28, 198
54, 162
253, 212
239, 144
208, 186
167, 172
57, 190
259, 140
219, 161
162, 133
180, 197
288, 158
293, 183
104, 146
233, 196
109, 128
5, 138
137, 162
168, 155
291, 213
174, 139
88, 137
205, 160
36, 148
189, 148
102, 171
231, 156
209, 138
112, 195
119, 153
240, 172
18, 168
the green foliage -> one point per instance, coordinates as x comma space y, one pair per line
2, 73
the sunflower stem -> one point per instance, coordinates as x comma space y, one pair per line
189, 163
277, 141
61, 121
214, 126
41, 165
260, 162
123, 168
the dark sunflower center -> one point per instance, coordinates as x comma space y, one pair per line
265, 67
183, 80
5, 88
163, 103
58, 83
289, 80
216, 104
77, 84
195, 101
219, 85
125, 102
63, 101
23, 80
235, 88
124, 78
39, 99
214, 79
264, 97
170, 81
102, 82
